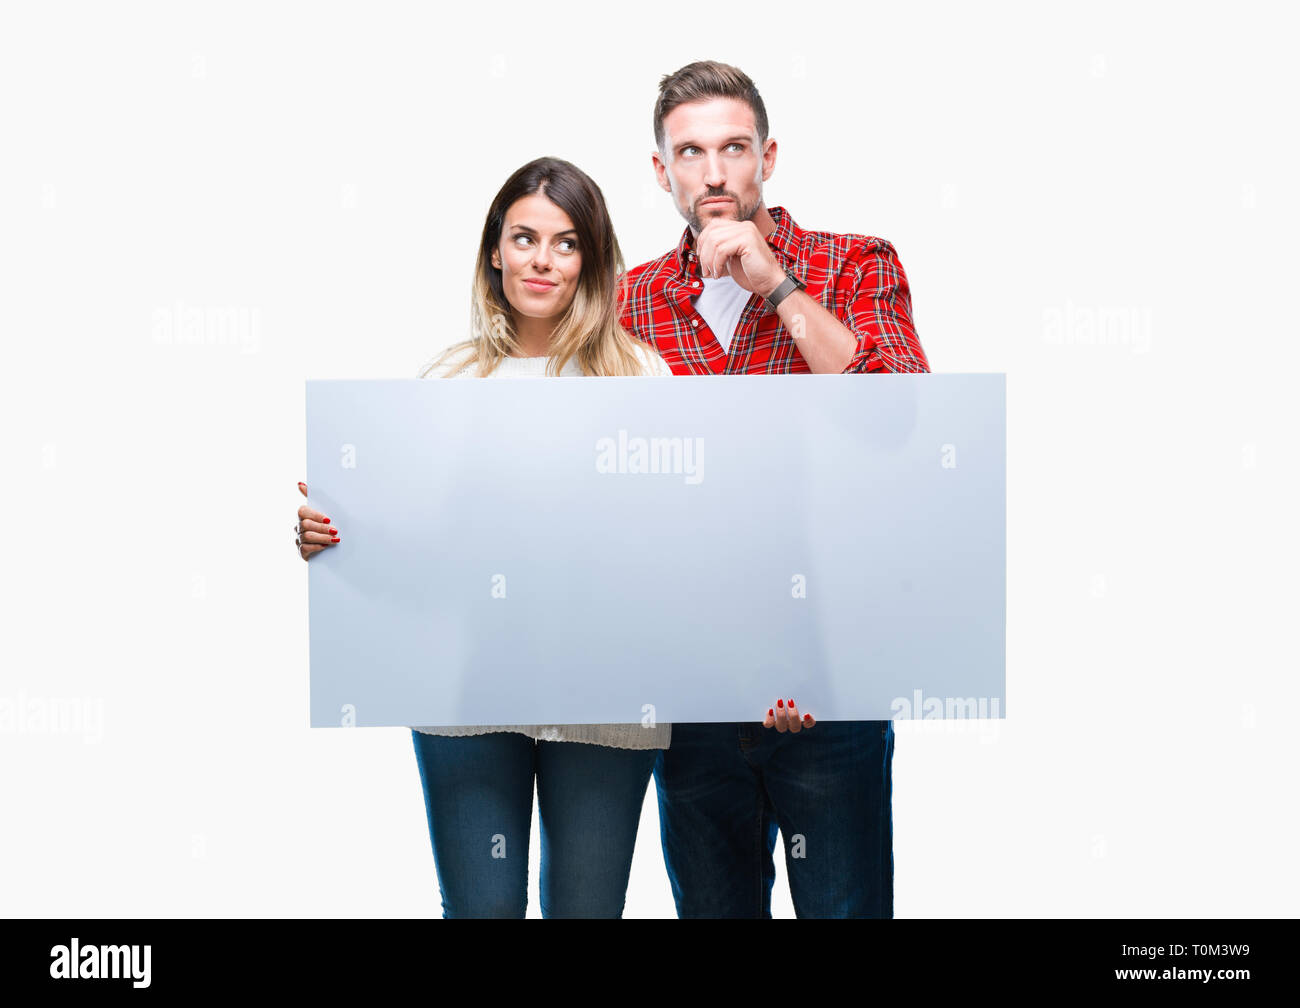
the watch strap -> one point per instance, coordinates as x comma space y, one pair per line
788, 286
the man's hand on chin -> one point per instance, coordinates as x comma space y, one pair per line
738, 248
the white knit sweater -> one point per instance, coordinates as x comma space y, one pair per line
619, 736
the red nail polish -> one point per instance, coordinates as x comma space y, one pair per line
334, 531
770, 712
336, 538
807, 717
325, 520
302, 484
791, 703
778, 703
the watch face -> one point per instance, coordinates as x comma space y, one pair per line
784, 289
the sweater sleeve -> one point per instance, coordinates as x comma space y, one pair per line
655, 365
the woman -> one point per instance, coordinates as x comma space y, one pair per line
544, 303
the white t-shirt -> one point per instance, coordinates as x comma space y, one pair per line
721, 303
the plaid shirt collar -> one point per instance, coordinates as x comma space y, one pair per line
784, 243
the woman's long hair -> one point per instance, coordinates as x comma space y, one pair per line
589, 331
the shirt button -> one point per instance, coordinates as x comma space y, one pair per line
695, 322
695, 283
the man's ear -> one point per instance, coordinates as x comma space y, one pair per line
769, 158
661, 172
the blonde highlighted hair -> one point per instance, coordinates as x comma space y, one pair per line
589, 331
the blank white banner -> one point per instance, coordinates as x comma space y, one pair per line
602, 550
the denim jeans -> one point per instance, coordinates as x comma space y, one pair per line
478, 796
724, 789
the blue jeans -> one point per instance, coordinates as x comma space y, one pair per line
724, 789
478, 795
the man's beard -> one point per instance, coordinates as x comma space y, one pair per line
743, 213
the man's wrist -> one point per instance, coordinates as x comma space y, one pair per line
770, 288
787, 285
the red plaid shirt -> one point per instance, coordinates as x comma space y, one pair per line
857, 279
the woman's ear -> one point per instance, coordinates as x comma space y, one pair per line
496, 259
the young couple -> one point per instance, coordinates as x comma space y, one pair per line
746, 291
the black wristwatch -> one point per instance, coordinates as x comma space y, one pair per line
788, 286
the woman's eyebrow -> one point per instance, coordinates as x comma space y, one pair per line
525, 227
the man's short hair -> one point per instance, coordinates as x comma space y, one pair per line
701, 81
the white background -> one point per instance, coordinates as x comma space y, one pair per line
1098, 199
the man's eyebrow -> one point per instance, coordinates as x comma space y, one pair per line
738, 138
525, 227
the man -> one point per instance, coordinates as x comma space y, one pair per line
747, 291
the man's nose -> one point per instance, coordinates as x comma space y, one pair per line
714, 176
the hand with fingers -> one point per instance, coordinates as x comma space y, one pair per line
312, 533
739, 250
785, 717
